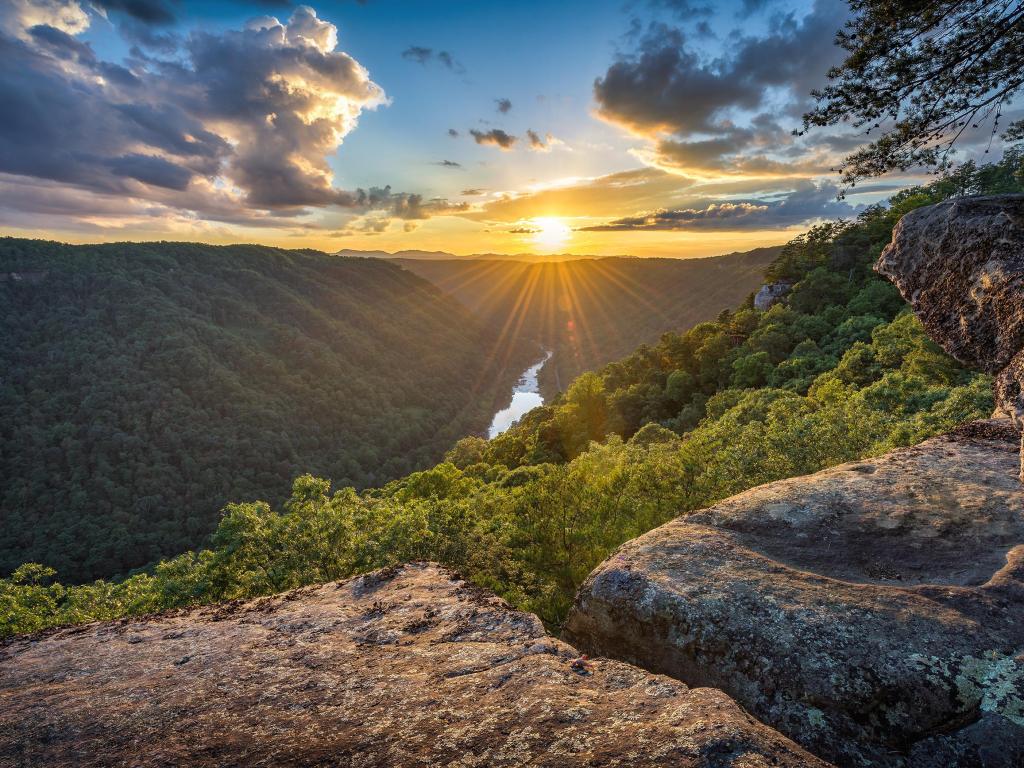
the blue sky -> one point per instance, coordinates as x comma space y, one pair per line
654, 127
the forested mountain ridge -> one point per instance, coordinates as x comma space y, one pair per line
590, 311
143, 386
840, 370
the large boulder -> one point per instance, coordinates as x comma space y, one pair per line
874, 612
960, 264
405, 667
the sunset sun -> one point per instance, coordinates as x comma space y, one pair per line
551, 232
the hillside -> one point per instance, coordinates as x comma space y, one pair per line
146, 385
593, 311
840, 370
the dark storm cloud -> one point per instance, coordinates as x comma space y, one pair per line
753, 6
152, 170
221, 130
667, 88
504, 106
148, 37
148, 11
684, 9
494, 137
805, 203
424, 56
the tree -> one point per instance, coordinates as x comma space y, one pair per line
922, 72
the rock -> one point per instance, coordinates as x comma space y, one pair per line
873, 612
960, 264
405, 667
770, 294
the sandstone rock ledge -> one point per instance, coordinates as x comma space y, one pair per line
873, 612
405, 667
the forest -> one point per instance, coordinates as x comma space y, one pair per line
144, 386
839, 370
589, 311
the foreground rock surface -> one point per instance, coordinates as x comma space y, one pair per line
960, 264
409, 667
874, 612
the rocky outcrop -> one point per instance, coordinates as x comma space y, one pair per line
406, 667
771, 293
960, 264
874, 612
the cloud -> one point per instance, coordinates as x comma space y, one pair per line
472, 192
449, 61
236, 126
807, 202
19, 16
731, 113
151, 169
540, 143
449, 164
148, 11
418, 54
453, 133
684, 9
424, 56
494, 137
667, 201
404, 207
504, 106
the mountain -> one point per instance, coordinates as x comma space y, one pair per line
838, 370
592, 311
143, 386
445, 256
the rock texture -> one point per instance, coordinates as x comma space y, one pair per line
407, 667
770, 294
960, 264
874, 612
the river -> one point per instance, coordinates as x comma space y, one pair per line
525, 397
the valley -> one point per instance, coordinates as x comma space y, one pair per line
591, 311
145, 386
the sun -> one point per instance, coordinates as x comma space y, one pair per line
550, 232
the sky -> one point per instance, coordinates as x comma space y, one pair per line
644, 127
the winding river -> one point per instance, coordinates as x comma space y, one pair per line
525, 397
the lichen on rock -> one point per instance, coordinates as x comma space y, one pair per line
874, 612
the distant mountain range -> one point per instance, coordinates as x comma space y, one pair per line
413, 255
590, 311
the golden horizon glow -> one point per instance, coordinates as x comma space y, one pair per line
550, 232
